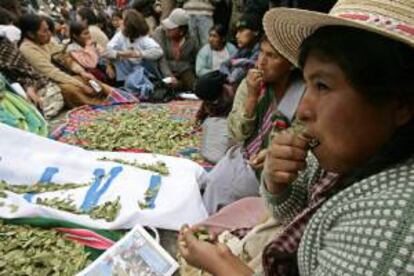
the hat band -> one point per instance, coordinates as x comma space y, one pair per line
378, 21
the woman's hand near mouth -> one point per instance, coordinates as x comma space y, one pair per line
312, 141
286, 156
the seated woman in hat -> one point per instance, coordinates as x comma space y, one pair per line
344, 187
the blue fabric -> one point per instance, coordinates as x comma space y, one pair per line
139, 84
204, 61
138, 76
236, 68
123, 68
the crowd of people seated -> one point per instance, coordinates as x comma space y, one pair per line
313, 113
132, 48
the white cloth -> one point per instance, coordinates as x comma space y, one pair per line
11, 32
29, 159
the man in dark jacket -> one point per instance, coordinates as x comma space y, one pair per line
180, 51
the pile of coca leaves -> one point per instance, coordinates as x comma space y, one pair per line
26, 250
148, 130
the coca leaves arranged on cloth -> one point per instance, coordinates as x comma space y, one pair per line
148, 130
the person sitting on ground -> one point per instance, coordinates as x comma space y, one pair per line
87, 54
269, 93
87, 16
235, 68
350, 199
38, 49
213, 54
41, 91
133, 49
249, 31
211, 117
180, 51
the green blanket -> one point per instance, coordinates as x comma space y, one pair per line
17, 112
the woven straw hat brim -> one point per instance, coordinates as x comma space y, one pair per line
286, 29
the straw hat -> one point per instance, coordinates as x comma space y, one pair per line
287, 28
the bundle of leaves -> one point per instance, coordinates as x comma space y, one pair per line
151, 131
33, 251
108, 210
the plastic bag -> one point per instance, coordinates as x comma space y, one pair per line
215, 139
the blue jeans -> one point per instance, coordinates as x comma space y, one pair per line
125, 67
199, 27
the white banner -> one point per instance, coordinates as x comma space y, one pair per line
26, 158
